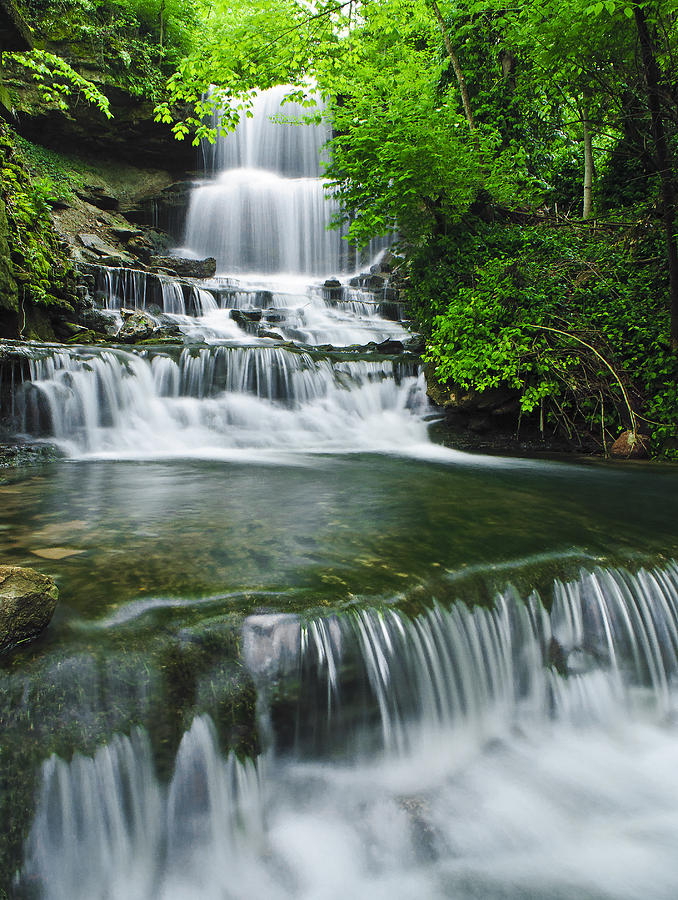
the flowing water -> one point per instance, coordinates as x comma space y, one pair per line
302, 653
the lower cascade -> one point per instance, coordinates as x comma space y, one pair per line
210, 400
508, 751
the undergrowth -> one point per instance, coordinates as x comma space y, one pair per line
573, 318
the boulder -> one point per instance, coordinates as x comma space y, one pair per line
391, 348
104, 253
100, 321
374, 282
333, 289
188, 268
271, 334
137, 326
95, 243
97, 196
27, 602
631, 445
127, 234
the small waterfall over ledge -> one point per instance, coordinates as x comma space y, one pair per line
211, 400
501, 752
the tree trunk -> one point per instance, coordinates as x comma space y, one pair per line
461, 81
588, 159
664, 162
162, 23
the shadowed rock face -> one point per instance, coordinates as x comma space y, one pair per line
14, 33
27, 602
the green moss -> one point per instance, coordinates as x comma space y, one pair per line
35, 272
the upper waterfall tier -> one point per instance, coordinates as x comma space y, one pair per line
260, 142
265, 207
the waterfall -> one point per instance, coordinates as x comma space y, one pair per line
211, 399
101, 822
265, 208
518, 748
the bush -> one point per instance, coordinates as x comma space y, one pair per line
574, 319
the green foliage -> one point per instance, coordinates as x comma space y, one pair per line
542, 310
59, 80
43, 272
403, 156
137, 43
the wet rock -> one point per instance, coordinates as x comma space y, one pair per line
137, 326
385, 264
85, 337
374, 282
165, 332
246, 318
630, 445
333, 289
27, 602
390, 347
68, 330
416, 344
187, 268
271, 334
100, 321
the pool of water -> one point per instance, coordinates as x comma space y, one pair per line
132, 539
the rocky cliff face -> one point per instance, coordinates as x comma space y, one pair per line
130, 136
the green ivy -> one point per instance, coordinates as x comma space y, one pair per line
557, 315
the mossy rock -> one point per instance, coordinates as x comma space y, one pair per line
27, 602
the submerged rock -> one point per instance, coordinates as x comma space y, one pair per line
631, 445
27, 602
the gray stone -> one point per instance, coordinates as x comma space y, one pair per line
27, 602
108, 255
390, 347
100, 321
97, 196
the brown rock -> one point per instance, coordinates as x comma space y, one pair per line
631, 446
27, 602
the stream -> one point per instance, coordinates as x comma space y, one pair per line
302, 652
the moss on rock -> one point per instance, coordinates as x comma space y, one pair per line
37, 279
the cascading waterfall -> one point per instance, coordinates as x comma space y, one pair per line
208, 400
504, 752
265, 209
